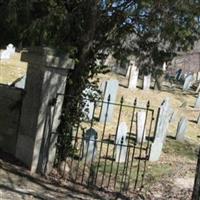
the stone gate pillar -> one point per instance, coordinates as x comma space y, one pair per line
46, 78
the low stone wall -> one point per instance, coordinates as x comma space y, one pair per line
10, 108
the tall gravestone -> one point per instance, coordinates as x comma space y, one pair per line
133, 76
197, 103
147, 82
188, 82
45, 82
181, 129
160, 130
90, 145
110, 88
140, 121
120, 143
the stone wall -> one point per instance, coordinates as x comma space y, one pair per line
10, 107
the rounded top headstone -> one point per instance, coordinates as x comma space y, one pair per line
10, 45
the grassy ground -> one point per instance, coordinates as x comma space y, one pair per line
172, 176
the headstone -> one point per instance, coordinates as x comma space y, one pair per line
163, 120
197, 103
21, 83
181, 129
188, 82
140, 121
90, 145
121, 140
147, 82
110, 88
156, 150
198, 120
11, 49
161, 130
4, 55
133, 78
164, 66
131, 64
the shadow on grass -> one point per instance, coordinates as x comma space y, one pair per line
11, 169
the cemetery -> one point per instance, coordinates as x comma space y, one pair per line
100, 100
131, 120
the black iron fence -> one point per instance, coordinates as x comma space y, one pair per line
110, 146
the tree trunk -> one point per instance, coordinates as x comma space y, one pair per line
158, 82
196, 189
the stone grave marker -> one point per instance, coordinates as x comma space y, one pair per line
197, 103
4, 55
90, 145
110, 88
181, 129
188, 82
140, 121
161, 130
164, 66
11, 49
147, 82
133, 78
121, 140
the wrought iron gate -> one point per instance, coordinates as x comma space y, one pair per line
100, 158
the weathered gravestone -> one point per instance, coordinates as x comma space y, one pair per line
188, 82
110, 88
197, 103
198, 120
140, 121
181, 129
4, 55
147, 82
133, 78
11, 49
90, 145
120, 142
132, 75
161, 130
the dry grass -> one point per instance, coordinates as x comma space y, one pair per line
177, 98
12, 69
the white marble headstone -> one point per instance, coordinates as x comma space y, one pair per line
11, 49
188, 82
181, 129
140, 118
4, 55
147, 82
121, 140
